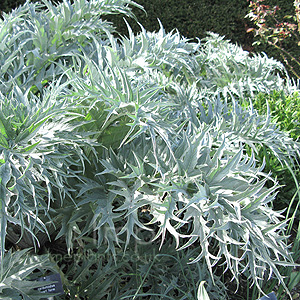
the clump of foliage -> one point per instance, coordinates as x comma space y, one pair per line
105, 141
229, 70
142, 271
274, 30
284, 109
18, 271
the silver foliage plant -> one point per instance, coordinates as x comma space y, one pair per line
117, 136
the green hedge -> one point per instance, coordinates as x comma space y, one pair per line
195, 18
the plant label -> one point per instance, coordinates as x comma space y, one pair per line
52, 288
270, 296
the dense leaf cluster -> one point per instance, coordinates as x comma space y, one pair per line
104, 140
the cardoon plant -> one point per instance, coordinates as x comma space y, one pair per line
105, 140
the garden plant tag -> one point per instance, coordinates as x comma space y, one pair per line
270, 296
54, 287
